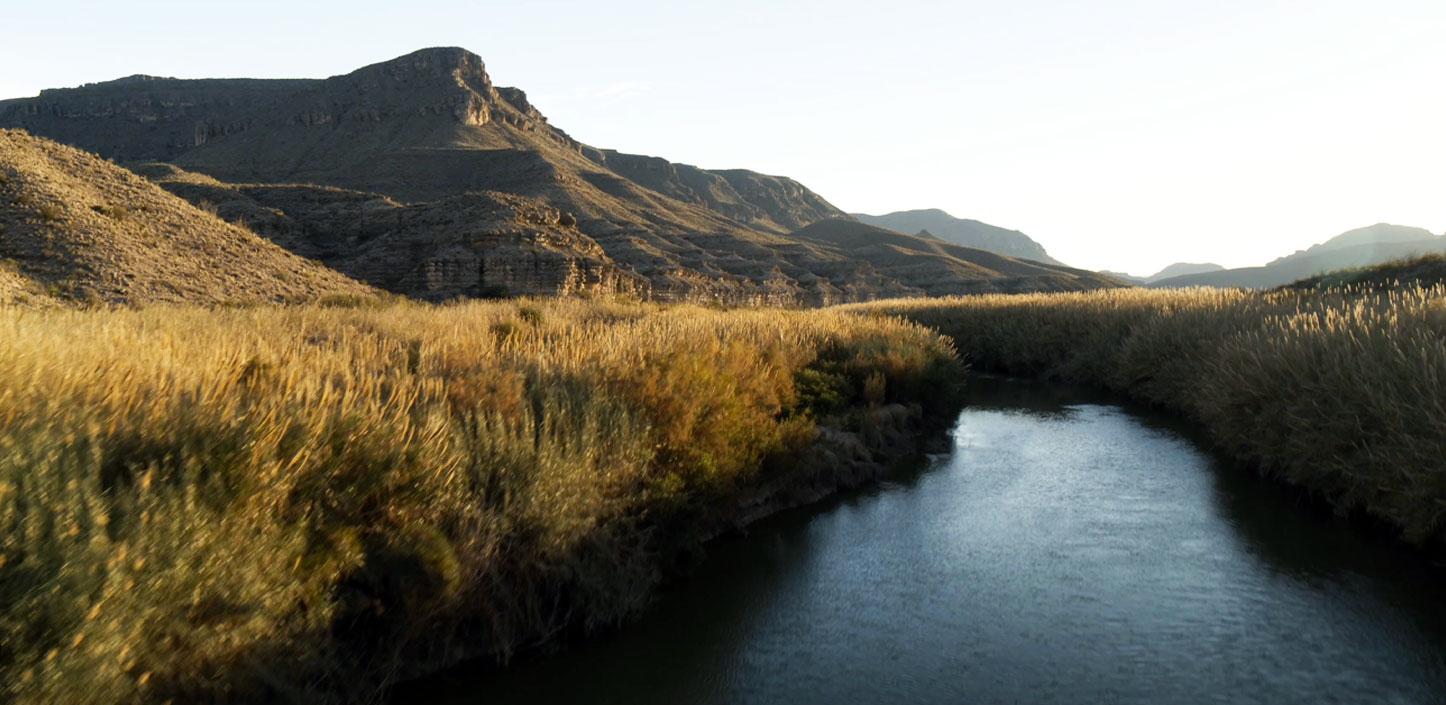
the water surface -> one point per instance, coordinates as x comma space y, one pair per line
1066, 550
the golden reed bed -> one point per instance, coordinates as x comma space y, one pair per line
1341, 391
305, 503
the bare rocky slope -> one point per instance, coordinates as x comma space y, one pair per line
75, 227
478, 244
427, 141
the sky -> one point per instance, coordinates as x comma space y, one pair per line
1121, 135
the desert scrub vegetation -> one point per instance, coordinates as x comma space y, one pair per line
1340, 390
300, 504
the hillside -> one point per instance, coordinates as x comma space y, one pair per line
773, 203
16, 288
937, 268
1362, 247
968, 233
479, 244
431, 127
1424, 271
1382, 235
1181, 269
75, 227
1124, 277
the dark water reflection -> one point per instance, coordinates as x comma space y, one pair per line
1067, 550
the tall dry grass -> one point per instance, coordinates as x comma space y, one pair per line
1342, 391
303, 503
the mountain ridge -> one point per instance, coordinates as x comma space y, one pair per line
431, 126
1361, 247
961, 231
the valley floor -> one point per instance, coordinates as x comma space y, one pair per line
1340, 389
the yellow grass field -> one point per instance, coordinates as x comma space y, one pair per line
306, 502
310, 502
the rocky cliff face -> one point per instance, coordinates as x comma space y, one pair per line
474, 245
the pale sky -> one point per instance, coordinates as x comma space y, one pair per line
1121, 135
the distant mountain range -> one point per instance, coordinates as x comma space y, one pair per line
938, 267
959, 231
420, 176
1357, 248
1183, 269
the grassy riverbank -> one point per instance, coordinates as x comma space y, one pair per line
301, 503
1341, 390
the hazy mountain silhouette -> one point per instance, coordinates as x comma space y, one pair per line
1180, 269
1362, 247
969, 233
936, 267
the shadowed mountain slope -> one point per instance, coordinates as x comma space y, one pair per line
938, 268
1183, 269
477, 244
1362, 247
79, 228
431, 126
773, 203
1422, 271
968, 233
16, 288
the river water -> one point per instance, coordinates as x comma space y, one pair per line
1066, 550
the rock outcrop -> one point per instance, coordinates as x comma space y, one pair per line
476, 244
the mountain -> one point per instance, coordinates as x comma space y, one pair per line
428, 143
1388, 238
1363, 247
1124, 277
76, 227
773, 203
477, 244
939, 268
968, 233
1180, 269
1421, 271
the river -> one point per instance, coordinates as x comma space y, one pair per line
1066, 550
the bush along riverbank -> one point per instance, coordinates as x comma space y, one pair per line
1340, 390
306, 503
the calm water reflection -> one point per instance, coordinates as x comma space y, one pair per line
1066, 551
